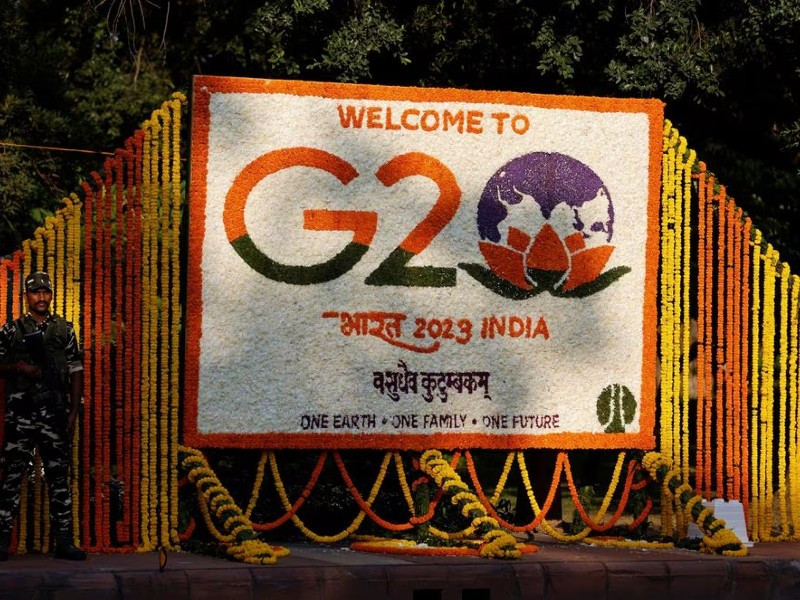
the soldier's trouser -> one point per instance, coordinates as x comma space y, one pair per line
31, 422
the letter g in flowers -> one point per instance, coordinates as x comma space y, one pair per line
545, 221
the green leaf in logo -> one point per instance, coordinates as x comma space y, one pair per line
498, 285
597, 285
616, 407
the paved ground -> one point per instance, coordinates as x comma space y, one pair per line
312, 572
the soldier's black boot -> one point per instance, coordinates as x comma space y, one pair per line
66, 549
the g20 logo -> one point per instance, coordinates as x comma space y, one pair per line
393, 270
534, 219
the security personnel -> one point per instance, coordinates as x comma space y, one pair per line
40, 358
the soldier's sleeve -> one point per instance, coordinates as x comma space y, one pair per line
6, 339
73, 352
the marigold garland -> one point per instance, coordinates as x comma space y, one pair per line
123, 352
87, 416
257, 482
119, 411
136, 273
412, 548
667, 291
401, 477
364, 506
22, 541
165, 299
794, 411
540, 513
719, 348
755, 395
4, 272
592, 523
243, 541
686, 163
740, 356
497, 543
152, 220
717, 539
279, 486
346, 532
178, 101
766, 504
783, 357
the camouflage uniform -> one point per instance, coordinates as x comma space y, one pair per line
36, 415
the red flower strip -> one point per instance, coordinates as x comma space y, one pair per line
337, 457
86, 421
493, 513
122, 416
642, 516
186, 534
103, 381
136, 319
312, 482
620, 507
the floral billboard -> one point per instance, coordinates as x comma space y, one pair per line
387, 267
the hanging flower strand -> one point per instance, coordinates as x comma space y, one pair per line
717, 539
243, 542
497, 542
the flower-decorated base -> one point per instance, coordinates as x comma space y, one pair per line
400, 546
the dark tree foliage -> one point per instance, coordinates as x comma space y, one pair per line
65, 82
83, 74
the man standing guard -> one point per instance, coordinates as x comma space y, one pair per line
40, 357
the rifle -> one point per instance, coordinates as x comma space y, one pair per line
34, 344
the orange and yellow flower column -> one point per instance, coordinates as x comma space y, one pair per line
160, 329
675, 318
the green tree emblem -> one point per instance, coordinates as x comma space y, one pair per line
616, 408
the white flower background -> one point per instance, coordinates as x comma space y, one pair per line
267, 357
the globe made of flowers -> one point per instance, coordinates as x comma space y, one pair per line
545, 221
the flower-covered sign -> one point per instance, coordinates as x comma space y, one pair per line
385, 267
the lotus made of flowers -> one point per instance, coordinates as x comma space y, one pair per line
523, 208
547, 262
